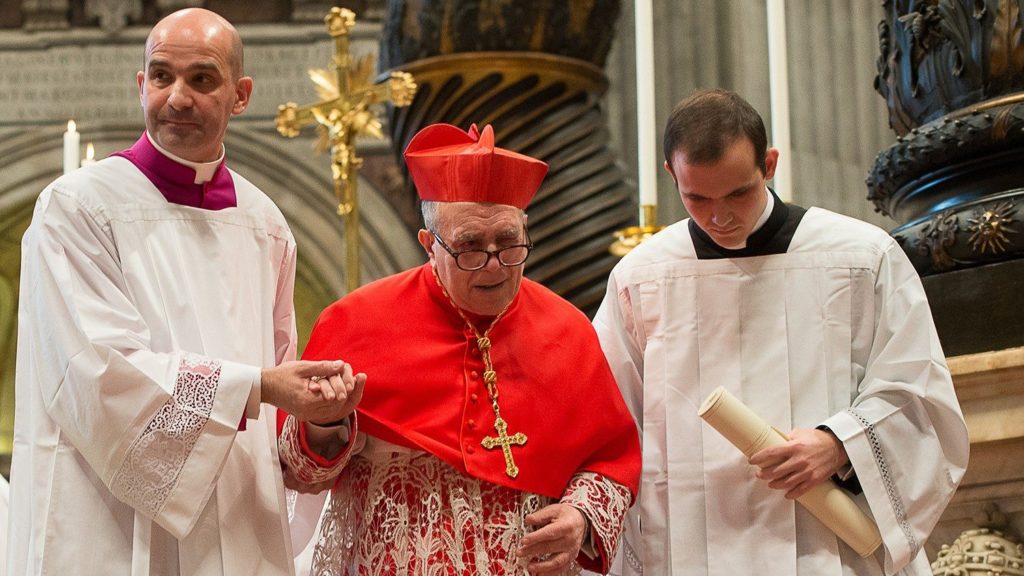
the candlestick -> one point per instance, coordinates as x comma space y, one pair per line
72, 140
778, 87
647, 161
647, 157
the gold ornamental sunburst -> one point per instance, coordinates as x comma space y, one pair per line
989, 228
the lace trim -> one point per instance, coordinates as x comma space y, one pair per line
631, 557
890, 485
299, 464
154, 461
605, 504
402, 512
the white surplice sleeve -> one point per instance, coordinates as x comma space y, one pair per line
154, 426
623, 344
904, 432
285, 335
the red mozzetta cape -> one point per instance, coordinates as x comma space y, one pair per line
425, 390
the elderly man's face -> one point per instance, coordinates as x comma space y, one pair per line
474, 226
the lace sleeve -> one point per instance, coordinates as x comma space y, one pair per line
604, 502
303, 463
156, 458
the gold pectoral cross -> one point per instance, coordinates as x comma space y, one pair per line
506, 442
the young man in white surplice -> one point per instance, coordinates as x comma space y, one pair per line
818, 323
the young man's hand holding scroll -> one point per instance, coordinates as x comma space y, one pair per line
826, 501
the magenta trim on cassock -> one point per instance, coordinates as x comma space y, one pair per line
177, 181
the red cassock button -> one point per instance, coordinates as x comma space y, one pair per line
473, 375
469, 449
471, 423
473, 397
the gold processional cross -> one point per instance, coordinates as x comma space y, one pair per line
344, 112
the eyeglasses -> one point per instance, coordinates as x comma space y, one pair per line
470, 260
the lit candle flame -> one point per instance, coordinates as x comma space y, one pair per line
71, 125
90, 152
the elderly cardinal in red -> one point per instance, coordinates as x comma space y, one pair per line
491, 437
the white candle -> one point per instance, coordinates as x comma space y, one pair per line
647, 157
72, 139
90, 155
778, 86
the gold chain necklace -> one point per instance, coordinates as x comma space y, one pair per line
483, 343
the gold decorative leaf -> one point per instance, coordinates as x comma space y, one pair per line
323, 140
361, 74
324, 82
1007, 54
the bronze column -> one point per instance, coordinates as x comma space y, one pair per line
952, 73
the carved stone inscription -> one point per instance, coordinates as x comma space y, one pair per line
97, 82
280, 72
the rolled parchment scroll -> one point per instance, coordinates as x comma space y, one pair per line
826, 501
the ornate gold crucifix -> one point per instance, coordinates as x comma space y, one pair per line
344, 113
483, 343
506, 442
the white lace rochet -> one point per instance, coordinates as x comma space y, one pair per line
397, 511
